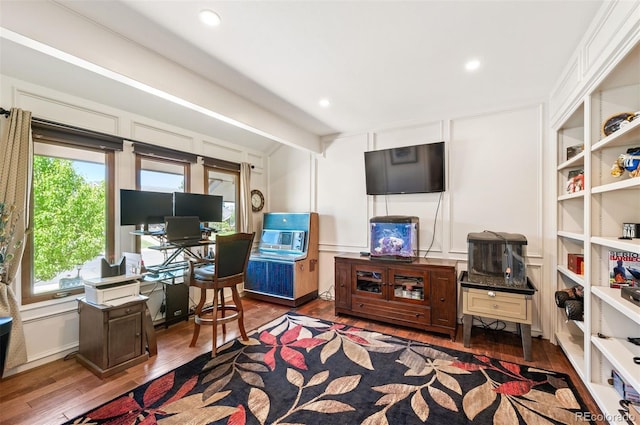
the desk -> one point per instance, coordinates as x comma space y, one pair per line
512, 304
177, 250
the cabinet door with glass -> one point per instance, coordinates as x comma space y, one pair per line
369, 281
409, 285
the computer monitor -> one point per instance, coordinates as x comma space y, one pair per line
140, 207
207, 207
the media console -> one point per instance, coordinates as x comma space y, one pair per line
421, 294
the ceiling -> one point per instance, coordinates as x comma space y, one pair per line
379, 63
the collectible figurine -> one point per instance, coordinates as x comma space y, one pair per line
629, 161
618, 121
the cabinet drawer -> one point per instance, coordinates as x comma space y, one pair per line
390, 311
498, 305
125, 311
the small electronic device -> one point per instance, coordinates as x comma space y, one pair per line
181, 230
108, 270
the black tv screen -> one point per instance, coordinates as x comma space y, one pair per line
206, 207
144, 207
408, 169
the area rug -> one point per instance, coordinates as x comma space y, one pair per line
302, 370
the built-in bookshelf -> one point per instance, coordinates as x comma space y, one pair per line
590, 222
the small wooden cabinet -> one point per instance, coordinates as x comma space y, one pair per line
421, 294
112, 338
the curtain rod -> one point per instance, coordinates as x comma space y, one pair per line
7, 112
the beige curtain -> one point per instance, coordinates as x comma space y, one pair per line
245, 220
16, 155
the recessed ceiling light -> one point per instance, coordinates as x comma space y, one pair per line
210, 17
324, 103
472, 65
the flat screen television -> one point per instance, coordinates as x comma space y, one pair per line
140, 207
407, 169
207, 207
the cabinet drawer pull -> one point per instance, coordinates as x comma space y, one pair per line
128, 311
495, 306
442, 299
418, 315
361, 305
491, 294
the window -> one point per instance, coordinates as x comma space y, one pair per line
224, 183
72, 194
158, 175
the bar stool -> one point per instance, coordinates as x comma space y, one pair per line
227, 270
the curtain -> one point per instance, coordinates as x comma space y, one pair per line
244, 214
16, 156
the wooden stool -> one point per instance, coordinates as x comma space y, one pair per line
227, 270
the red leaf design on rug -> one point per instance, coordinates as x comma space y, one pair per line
239, 417
293, 357
511, 367
290, 335
270, 358
158, 389
119, 406
307, 343
184, 390
267, 338
514, 388
357, 339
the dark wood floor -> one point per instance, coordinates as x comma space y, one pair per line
63, 389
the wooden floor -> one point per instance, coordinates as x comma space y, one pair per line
61, 390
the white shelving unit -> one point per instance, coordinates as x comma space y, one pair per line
590, 223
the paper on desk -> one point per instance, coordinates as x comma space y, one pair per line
120, 301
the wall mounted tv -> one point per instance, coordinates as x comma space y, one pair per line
407, 169
206, 207
144, 207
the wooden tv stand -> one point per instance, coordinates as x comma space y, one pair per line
421, 294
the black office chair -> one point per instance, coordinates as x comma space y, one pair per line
227, 270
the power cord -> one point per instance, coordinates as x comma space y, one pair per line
327, 295
496, 325
435, 221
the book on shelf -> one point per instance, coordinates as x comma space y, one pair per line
624, 269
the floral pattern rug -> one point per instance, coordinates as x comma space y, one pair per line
302, 370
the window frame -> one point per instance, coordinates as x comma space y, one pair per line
28, 296
230, 171
139, 157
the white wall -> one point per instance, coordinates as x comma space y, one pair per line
51, 327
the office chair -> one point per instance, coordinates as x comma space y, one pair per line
227, 270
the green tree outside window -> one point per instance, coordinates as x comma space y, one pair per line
69, 217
